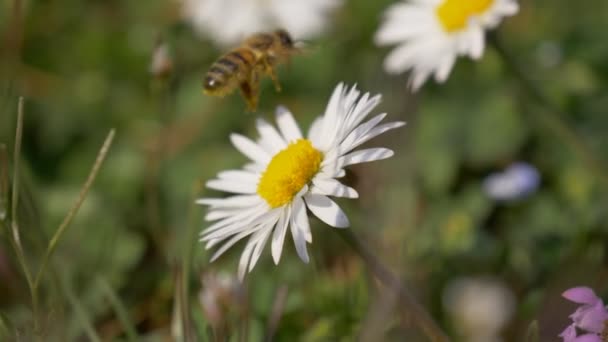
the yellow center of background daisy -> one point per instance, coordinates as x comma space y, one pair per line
288, 172
454, 14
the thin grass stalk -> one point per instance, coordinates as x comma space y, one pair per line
119, 309
186, 267
101, 156
15, 233
278, 306
81, 314
3, 183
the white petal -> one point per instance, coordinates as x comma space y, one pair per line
403, 24
418, 78
228, 244
254, 167
315, 131
250, 149
301, 219
299, 240
259, 245
287, 125
372, 134
360, 131
326, 210
272, 141
244, 261
367, 155
361, 111
331, 117
441, 75
508, 8
239, 176
231, 186
239, 201
214, 215
402, 58
477, 43
329, 158
332, 187
236, 226
246, 215
279, 235
332, 169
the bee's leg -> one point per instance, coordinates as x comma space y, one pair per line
250, 89
268, 69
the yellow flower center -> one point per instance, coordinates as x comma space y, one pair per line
454, 14
288, 172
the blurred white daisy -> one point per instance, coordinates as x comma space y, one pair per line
229, 21
289, 173
431, 34
480, 307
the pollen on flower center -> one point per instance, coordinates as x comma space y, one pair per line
455, 14
288, 172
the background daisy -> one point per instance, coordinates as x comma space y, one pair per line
229, 21
289, 174
431, 34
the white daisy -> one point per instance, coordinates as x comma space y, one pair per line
289, 173
229, 21
430, 34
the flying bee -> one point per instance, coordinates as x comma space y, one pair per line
243, 66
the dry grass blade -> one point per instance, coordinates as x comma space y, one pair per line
119, 309
15, 189
411, 309
280, 299
101, 156
16, 238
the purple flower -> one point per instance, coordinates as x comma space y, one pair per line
589, 319
517, 181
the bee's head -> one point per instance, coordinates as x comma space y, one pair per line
284, 38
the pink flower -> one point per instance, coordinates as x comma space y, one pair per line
590, 318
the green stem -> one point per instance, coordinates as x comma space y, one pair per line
414, 310
15, 236
186, 267
552, 116
119, 308
80, 313
3, 182
72, 213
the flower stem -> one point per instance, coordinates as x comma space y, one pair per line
552, 116
413, 309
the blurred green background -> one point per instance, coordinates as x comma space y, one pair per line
83, 68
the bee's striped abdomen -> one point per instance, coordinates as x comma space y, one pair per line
228, 71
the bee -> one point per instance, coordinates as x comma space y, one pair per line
244, 66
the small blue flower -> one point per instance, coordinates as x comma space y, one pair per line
517, 181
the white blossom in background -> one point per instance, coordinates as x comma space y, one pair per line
228, 22
518, 181
289, 173
431, 34
480, 307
